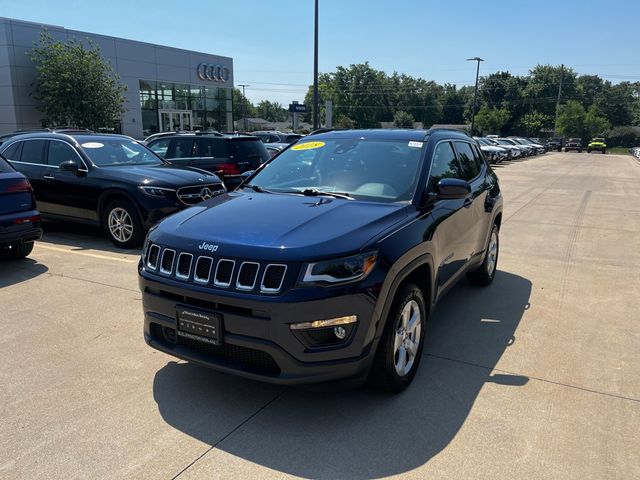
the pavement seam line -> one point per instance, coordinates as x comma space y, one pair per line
235, 429
61, 275
87, 254
606, 394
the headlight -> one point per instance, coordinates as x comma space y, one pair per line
342, 270
158, 192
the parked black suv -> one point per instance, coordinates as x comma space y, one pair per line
573, 144
19, 219
109, 180
228, 156
327, 261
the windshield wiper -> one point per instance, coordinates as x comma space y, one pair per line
256, 188
312, 192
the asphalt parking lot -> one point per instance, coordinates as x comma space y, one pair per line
534, 377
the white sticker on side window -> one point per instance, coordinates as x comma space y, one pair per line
415, 144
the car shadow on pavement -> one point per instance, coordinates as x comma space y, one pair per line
81, 237
18, 271
363, 433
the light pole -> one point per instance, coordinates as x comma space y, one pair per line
244, 105
475, 92
316, 113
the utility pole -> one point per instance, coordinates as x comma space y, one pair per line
316, 113
475, 92
555, 125
244, 105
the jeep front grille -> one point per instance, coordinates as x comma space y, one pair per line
249, 276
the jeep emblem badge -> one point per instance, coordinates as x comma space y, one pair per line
208, 247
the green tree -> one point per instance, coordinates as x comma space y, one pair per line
75, 85
594, 124
453, 102
241, 106
403, 119
272, 111
541, 91
491, 120
534, 121
571, 117
616, 103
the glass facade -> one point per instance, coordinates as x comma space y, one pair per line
175, 106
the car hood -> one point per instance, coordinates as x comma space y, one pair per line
271, 226
491, 148
159, 176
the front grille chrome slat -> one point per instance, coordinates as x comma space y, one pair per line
153, 256
273, 278
193, 194
202, 272
166, 263
266, 278
247, 276
224, 273
183, 268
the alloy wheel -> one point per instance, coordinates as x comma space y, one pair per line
407, 338
120, 224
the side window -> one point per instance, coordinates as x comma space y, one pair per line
160, 146
183, 147
210, 147
33, 151
60, 152
443, 165
13, 152
468, 163
477, 154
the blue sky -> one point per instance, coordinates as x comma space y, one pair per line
271, 42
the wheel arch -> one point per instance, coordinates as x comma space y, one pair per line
113, 194
419, 271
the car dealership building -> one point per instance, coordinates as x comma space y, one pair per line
167, 88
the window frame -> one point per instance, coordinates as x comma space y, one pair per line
458, 156
82, 166
455, 154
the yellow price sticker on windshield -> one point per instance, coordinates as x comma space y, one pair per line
307, 145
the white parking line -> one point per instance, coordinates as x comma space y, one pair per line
86, 254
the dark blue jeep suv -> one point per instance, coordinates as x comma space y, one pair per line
327, 262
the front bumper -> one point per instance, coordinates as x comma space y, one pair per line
257, 342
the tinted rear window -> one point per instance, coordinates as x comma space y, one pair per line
248, 148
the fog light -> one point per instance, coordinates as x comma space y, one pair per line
324, 323
340, 333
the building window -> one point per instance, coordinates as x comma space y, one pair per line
210, 107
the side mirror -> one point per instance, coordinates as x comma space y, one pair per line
247, 174
453, 189
69, 166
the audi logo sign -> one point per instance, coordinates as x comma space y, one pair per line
214, 73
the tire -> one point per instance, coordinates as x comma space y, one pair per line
486, 272
589, 150
394, 367
21, 250
604, 151
122, 224
580, 151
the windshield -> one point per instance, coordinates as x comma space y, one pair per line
367, 169
108, 152
505, 142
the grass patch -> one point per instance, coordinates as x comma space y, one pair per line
618, 150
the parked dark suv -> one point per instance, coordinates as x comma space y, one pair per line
19, 219
327, 262
228, 156
573, 144
108, 180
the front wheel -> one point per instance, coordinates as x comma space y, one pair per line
485, 273
402, 341
122, 224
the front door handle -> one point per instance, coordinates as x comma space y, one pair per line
49, 177
467, 202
